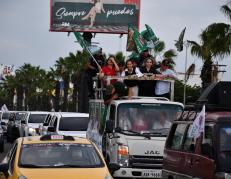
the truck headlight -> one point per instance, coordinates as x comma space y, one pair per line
123, 156
222, 175
32, 131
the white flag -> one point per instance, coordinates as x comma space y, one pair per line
4, 108
198, 125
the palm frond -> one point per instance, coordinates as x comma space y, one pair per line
226, 11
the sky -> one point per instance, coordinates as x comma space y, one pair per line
25, 35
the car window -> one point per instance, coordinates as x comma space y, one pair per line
189, 142
36, 118
178, 136
73, 123
58, 155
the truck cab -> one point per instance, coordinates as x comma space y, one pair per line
132, 133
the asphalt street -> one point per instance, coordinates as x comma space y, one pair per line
7, 147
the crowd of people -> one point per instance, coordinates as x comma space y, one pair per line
130, 71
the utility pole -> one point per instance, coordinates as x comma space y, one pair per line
186, 44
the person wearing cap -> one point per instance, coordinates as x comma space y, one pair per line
163, 87
116, 90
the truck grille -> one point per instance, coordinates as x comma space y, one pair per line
146, 162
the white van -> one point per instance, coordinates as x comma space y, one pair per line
33, 121
68, 123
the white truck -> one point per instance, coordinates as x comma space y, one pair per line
132, 133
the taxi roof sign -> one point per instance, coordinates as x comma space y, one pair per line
57, 137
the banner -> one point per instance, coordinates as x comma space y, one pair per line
104, 16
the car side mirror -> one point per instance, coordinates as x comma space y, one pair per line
3, 123
109, 126
23, 122
113, 167
206, 149
4, 167
51, 129
11, 119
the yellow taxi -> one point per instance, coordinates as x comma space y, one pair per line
55, 157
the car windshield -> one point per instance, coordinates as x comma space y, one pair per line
59, 155
147, 118
36, 118
73, 123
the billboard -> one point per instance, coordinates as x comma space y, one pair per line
103, 16
6, 70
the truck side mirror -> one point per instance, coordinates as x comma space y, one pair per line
113, 167
3, 123
51, 129
109, 126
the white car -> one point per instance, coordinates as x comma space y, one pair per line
43, 127
68, 123
33, 121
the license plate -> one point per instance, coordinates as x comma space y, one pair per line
152, 174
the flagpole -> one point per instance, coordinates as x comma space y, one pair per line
186, 44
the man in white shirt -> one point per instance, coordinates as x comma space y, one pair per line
163, 87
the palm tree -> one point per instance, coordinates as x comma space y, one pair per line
227, 10
215, 42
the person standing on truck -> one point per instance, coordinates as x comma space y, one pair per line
163, 87
132, 71
147, 87
93, 69
110, 69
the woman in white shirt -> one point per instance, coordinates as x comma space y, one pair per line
130, 70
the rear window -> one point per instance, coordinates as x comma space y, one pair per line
73, 123
36, 118
5, 115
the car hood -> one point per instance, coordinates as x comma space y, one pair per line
60, 173
73, 133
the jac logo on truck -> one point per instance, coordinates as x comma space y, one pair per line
148, 152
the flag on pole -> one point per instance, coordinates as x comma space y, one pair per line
131, 46
4, 108
180, 42
141, 44
148, 34
80, 39
198, 125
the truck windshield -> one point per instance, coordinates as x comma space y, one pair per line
147, 118
225, 147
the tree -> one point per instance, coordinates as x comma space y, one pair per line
215, 42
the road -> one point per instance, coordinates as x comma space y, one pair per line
7, 147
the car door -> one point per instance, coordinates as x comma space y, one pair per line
198, 164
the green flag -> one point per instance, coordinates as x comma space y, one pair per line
180, 42
80, 39
131, 46
141, 44
148, 34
